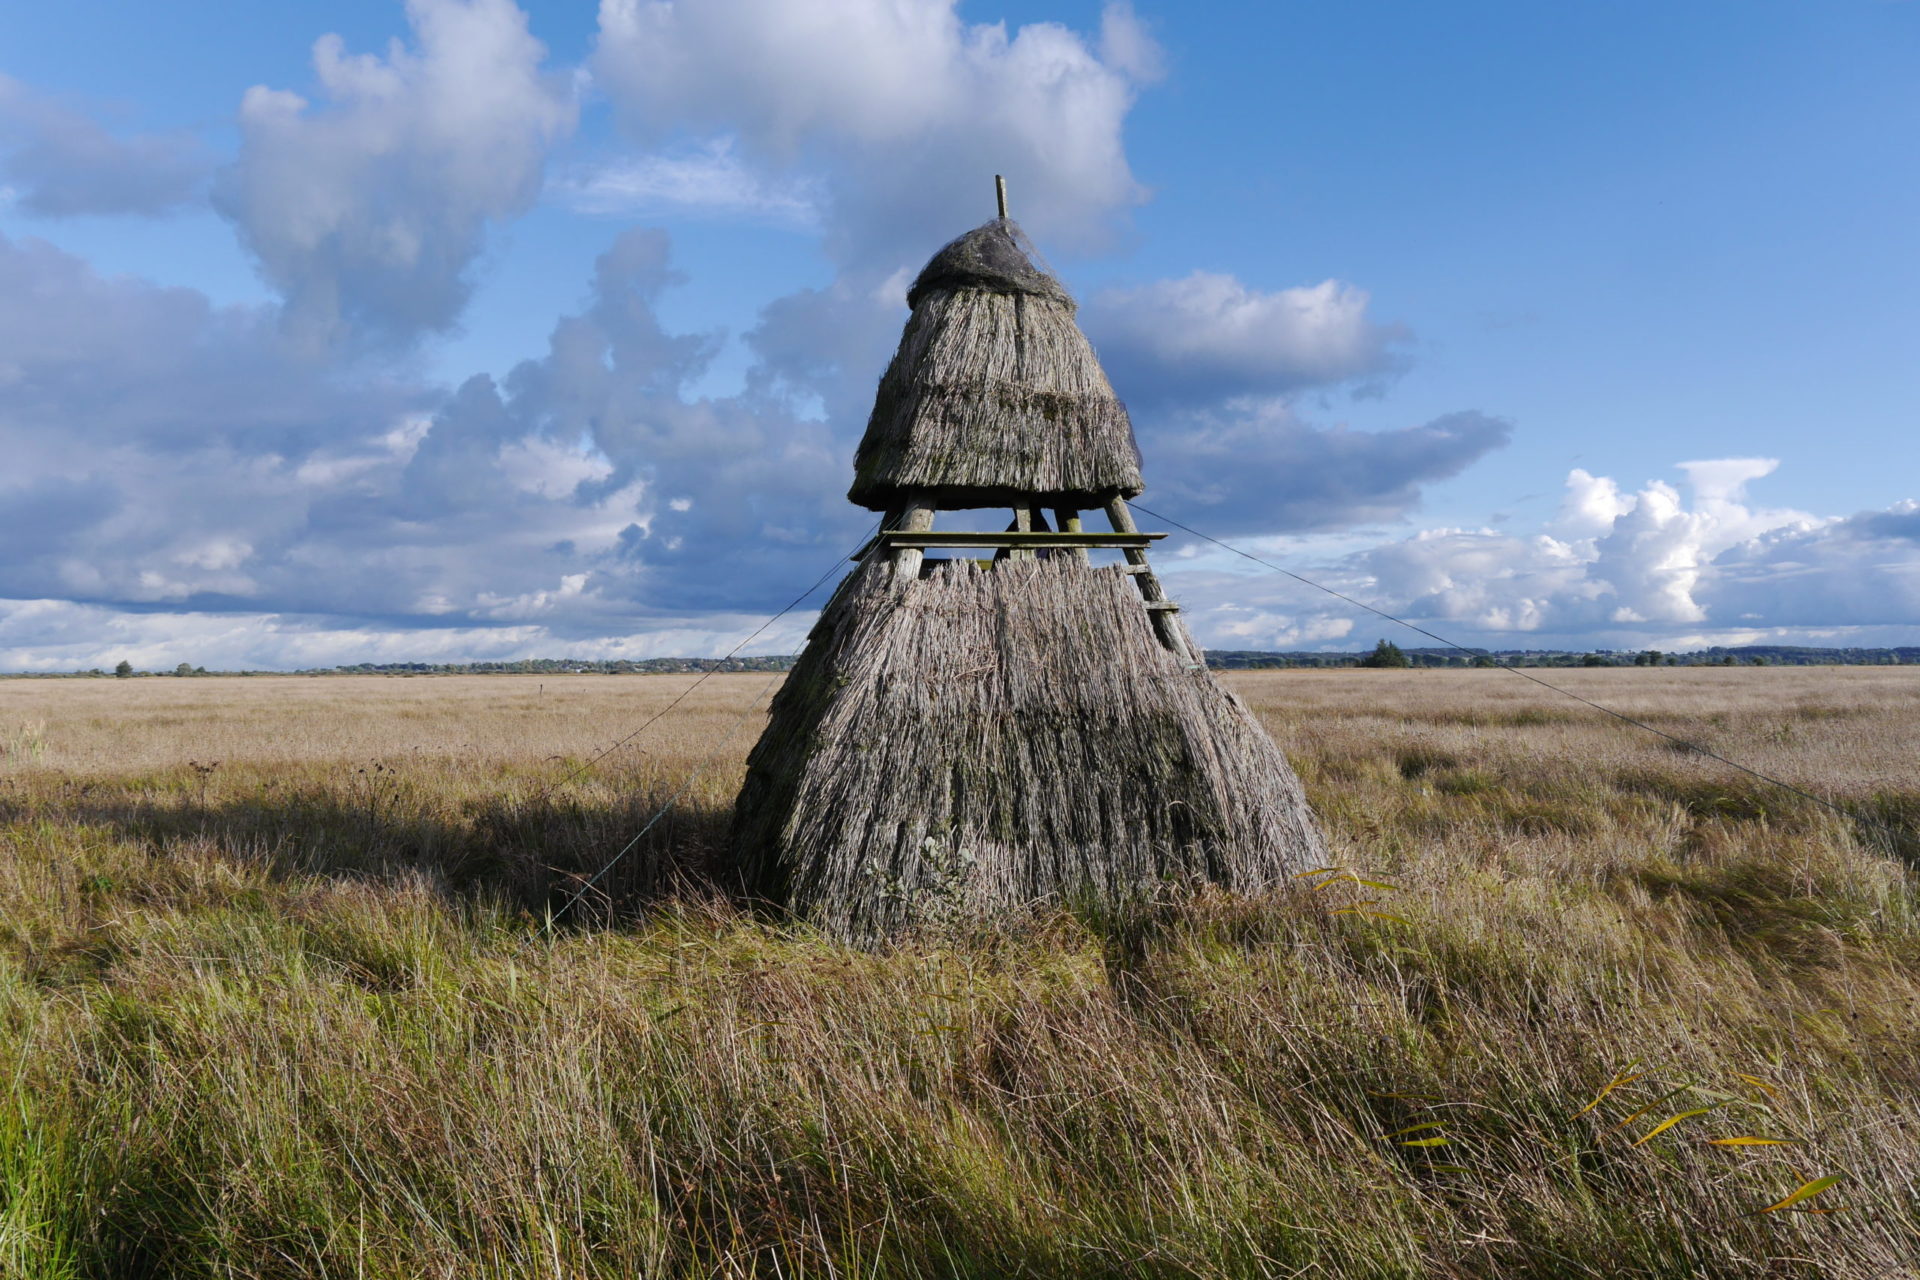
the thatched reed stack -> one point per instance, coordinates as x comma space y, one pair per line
968, 738
995, 396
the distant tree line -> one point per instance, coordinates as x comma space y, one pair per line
1388, 654
1384, 654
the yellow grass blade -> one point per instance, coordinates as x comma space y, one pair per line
1630, 1119
1758, 1083
1415, 1128
1615, 1084
1807, 1191
1427, 1142
1642, 1111
1747, 1141
1671, 1121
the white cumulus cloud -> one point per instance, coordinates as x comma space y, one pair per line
1699, 561
1208, 336
365, 210
902, 108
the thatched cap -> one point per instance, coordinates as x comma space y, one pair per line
996, 257
994, 396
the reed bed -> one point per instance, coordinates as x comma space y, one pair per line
295, 1010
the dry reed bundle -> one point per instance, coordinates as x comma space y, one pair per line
990, 737
994, 395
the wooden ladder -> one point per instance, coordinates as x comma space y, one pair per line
908, 531
1164, 612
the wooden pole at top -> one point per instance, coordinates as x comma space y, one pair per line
1000, 193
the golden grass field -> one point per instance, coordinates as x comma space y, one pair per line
277, 998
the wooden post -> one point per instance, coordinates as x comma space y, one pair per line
1166, 623
1037, 522
1000, 194
1069, 521
1022, 523
917, 517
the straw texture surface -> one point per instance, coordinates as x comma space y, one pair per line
994, 736
994, 395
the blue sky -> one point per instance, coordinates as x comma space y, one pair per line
454, 329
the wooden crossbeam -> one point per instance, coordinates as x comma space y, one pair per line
1036, 540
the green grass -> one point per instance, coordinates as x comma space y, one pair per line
289, 1021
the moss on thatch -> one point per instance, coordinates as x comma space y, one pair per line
994, 395
990, 737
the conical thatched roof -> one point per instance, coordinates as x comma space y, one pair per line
994, 395
996, 735
966, 738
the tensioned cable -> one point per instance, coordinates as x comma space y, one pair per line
1842, 810
693, 778
791, 605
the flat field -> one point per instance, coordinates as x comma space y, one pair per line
278, 997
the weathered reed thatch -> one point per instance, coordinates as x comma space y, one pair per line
995, 395
993, 736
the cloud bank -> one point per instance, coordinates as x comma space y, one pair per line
1665, 566
280, 485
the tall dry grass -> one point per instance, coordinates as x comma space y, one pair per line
276, 999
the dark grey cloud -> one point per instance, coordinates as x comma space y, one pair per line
1250, 461
41, 521
90, 363
1254, 467
1901, 521
170, 443
736, 494
165, 452
828, 347
60, 162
